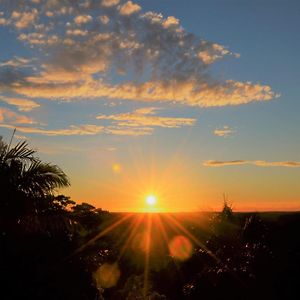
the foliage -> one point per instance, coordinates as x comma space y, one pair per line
51, 246
26, 183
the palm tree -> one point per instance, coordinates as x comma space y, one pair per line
25, 181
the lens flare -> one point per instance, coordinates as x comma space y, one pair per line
117, 168
181, 248
107, 275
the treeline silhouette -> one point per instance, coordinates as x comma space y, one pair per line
46, 250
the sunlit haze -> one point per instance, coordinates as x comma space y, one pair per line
158, 105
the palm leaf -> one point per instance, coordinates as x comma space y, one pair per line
42, 178
19, 152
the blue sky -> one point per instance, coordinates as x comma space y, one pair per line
223, 116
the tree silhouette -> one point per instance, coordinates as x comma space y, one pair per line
26, 182
38, 231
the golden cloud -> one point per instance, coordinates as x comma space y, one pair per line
72, 130
129, 8
109, 3
22, 20
259, 163
10, 117
145, 117
83, 19
21, 104
189, 93
78, 62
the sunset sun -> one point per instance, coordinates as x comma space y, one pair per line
151, 200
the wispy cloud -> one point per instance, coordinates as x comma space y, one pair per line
21, 104
224, 131
128, 131
259, 163
16, 62
167, 63
71, 130
10, 117
141, 122
137, 123
146, 117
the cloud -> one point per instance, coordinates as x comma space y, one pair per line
109, 3
145, 117
141, 122
228, 93
171, 21
129, 131
86, 129
3, 21
10, 117
83, 19
16, 62
124, 53
104, 19
71, 130
77, 32
129, 8
262, 163
259, 163
137, 123
225, 131
22, 20
22, 104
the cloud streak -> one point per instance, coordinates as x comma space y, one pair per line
10, 117
71, 130
259, 163
21, 104
224, 131
141, 122
146, 117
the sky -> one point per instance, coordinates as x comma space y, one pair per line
185, 100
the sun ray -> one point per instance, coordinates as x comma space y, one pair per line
192, 237
102, 233
165, 237
147, 254
134, 228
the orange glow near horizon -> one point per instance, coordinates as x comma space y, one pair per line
123, 185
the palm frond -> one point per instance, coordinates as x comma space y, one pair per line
42, 178
21, 151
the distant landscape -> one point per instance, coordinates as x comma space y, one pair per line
55, 248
